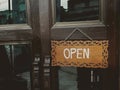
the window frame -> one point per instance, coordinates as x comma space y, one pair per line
17, 32
102, 15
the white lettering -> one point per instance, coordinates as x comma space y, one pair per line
73, 51
79, 53
86, 53
66, 53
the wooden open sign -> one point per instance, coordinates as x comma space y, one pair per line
88, 54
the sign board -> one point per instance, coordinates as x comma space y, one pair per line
88, 54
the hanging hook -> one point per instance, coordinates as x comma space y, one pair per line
77, 29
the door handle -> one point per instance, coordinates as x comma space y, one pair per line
47, 61
35, 72
98, 78
94, 77
47, 66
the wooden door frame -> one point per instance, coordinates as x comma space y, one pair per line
17, 32
38, 30
111, 27
24, 33
118, 26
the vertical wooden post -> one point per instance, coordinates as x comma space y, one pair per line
45, 41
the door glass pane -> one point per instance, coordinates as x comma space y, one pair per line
15, 67
77, 10
72, 78
67, 78
12, 11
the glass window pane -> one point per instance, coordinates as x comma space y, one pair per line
77, 10
12, 11
68, 78
15, 67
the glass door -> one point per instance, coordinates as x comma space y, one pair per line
17, 45
67, 77
91, 17
15, 66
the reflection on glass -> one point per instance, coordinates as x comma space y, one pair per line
68, 78
12, 11
77, 10
15, 67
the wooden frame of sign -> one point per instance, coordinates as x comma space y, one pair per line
87, 54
